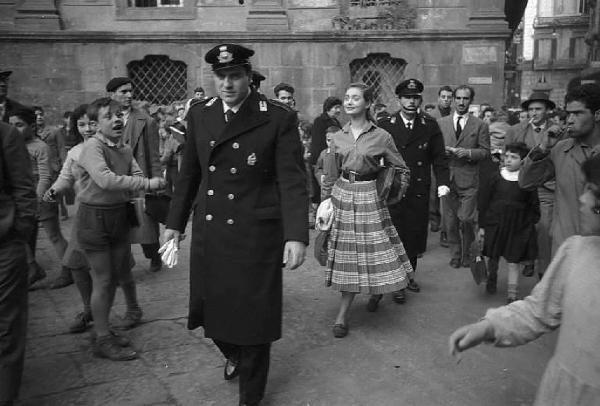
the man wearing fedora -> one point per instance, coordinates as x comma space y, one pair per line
6, 105
531, 132
243, 177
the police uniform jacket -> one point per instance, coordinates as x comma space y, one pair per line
246, 184
423, 149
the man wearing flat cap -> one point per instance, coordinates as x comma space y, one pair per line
420, 141
257, 77
6, 105
141, 133
531, 132
243, 176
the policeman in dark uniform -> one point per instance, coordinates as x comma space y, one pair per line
6, 105
243, 177
420, 141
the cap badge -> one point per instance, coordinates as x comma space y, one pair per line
225, 56
251, 159
412, 85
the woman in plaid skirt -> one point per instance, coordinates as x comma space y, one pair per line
365, 253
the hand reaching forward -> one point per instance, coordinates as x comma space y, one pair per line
469, 336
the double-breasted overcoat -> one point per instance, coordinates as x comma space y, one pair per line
422, 148
246, 184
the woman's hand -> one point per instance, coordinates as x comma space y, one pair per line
469, 336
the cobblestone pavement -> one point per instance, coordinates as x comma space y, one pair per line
397, 356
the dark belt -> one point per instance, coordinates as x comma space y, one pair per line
357, 177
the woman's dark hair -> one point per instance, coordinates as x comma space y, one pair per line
331, 102
74, 135
591, 171
517, 148
368, 94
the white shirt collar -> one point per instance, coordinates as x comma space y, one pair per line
465, 118
235, 108
509, 176
406, 120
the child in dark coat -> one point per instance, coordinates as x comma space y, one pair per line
326, 168
507, 218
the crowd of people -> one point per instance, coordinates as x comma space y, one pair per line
522, 186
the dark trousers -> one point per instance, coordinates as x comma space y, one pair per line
253, 365
13, 317
151, 251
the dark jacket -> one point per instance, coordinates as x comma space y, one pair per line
141, 129
423, 149
245, 183
17, 190
318, 141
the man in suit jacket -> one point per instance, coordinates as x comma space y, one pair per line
17, 221
421, 143
141, 133
243, 176
467, 143
532, 132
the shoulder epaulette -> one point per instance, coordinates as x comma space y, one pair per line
206, 102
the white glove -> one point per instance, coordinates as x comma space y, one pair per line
170, 253
443, 190
324, 217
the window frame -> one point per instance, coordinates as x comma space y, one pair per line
187, 11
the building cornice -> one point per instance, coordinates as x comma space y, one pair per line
252, 37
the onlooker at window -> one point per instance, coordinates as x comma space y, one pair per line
17, 221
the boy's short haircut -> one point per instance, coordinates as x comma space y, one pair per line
332, 129
283, 86
445, 89
26, 114
588, 94
517, 148
96, 105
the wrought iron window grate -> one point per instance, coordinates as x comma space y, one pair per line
381, 72
369, 3
154, 3
158, 79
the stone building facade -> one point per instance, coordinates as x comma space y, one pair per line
63, 53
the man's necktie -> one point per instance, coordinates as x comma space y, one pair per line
537, 129
458, 127
409, 126
229, 115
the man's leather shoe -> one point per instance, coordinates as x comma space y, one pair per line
413, 286
399, 297
455, 262
231, 370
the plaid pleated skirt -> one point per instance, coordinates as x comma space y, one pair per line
365, 254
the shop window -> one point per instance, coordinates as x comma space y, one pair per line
158, 79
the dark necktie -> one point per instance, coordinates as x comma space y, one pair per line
537, 129
458, 127
229, 115
409, 126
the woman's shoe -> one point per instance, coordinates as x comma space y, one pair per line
106, 347
231, 370
399, 297
374, 303
340, 330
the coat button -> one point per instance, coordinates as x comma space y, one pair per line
212, 168
419, 179
212, 143
209, 217
230, 196
235, 145
210, 192
233, 171
419, 163
229, 221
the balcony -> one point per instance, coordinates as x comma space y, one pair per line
562, 21
559, 64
